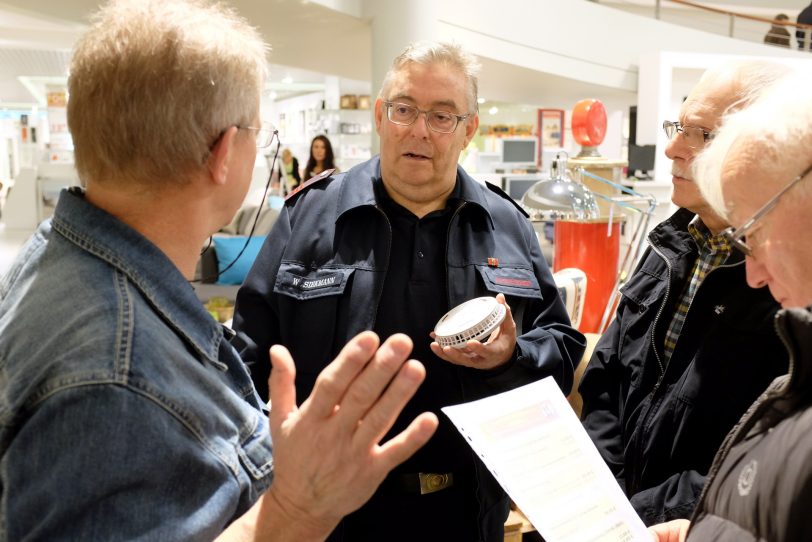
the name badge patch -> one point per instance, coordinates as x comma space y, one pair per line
301, 283
306, 284
521, 283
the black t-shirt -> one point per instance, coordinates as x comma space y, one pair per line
414, 298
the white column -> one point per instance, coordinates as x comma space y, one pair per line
396, 24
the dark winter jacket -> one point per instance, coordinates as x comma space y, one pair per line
760, 485
659, 425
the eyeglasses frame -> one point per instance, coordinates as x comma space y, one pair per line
263, 128
426, 112
679, 128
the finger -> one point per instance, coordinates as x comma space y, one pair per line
400, 447
281, 385
508, 324
333, 382
380, 417
437, 350
367, 388
454, 355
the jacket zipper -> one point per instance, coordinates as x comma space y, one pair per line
462, 389
385, 269
447, 245
663, 367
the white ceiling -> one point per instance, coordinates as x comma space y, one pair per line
308, 40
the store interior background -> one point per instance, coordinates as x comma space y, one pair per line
535, 54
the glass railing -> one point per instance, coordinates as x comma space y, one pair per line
734, 24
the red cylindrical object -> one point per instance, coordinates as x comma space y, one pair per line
592, 246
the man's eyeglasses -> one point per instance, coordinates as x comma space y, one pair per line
444, 122
695, 137
265, 133
736, 237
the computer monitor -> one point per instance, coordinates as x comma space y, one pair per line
519, 152
641, 158
516, 187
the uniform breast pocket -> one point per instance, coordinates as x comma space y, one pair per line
511, 281
299, 283
311, 303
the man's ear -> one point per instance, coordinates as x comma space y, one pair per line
220, 156
470, 128
378, 115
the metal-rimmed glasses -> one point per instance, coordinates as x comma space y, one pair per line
265, 133
695, 136
736, 236
444, 122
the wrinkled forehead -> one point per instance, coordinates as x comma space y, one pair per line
708, 101
431, 84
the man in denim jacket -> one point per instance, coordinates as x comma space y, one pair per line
126, 414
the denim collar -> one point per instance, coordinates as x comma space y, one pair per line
358, 189
144, 264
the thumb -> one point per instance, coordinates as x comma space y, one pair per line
281, 385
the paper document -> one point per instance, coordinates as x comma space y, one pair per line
535, 446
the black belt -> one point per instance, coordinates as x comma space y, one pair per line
421, 483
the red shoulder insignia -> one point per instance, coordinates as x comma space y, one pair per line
310, 182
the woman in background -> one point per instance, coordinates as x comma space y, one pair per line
321, 157
290, 167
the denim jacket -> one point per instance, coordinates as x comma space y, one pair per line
124, 413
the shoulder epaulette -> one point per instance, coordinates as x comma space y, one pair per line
310, 182
498, 190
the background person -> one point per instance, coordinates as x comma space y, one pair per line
290, 166
126, 414
683, 358
804, 35
778, 33
756, 173
391, 246
321, 157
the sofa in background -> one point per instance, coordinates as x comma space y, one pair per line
225, 246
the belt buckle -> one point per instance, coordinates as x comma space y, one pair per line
431, 482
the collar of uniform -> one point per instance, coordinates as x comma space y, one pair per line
358, 188
386, 200
145, 265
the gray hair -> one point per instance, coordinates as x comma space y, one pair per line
778, 126
748, 77
449, 54
153, 83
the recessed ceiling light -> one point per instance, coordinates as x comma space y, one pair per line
480, 100
493, 110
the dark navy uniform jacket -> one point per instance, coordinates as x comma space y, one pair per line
318, 279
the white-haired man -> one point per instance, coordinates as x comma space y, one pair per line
390, 246
124, 411
667, 379
756, 174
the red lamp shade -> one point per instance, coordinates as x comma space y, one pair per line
589, 122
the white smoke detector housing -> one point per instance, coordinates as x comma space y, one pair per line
473, 320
